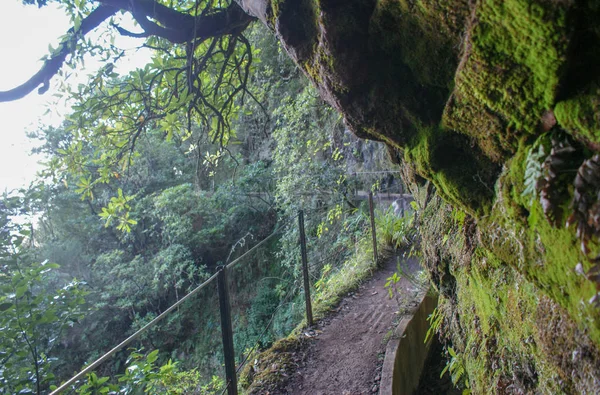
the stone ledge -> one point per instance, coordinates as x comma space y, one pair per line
406, 353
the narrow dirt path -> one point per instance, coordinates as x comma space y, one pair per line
345, 355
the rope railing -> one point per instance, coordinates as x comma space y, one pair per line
231, 372
131, 338
158, 318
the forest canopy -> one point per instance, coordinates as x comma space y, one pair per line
197, 78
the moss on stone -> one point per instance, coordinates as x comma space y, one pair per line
524, 45
274, 366
501, 330
518, 233
580, 115
510, 72
517, 335
454, 167
508, 331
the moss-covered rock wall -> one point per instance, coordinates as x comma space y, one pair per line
496, 104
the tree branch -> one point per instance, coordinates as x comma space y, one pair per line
127, 33
179, 27
156, 19
52, 65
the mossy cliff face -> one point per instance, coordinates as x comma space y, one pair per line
461, 91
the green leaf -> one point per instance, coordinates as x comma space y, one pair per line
20, 291
152, 357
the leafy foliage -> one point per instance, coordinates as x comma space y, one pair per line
393, 230
549, 163
456, 368
436, 319
33, 316
143, 374
533, 169
390, 282
143, 196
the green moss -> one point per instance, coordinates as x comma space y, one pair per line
515, 310
459, 217
273, 367
501, 329
274, 14
524, 43
491, 312
520, 235
447, 160
464, 114
581, 115
510, 72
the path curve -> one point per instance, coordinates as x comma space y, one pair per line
346, 353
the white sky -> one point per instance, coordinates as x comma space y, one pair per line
25, 33
24, 39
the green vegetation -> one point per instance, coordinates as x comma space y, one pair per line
393, 230
333, 285
142, 375
159, 176
456, 369
515, 334
36, 312
580, 115
140, 234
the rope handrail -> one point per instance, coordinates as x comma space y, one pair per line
280, 225
131, 338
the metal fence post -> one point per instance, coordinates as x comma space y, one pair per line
227, 331
373, 232
309, 317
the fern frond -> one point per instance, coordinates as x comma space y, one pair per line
533, 171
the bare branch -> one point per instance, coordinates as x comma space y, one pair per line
179, 27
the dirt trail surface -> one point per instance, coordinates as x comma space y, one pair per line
346, 349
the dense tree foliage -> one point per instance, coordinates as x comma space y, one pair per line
141, 215
35, 311
193, 86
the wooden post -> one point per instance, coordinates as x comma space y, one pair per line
373, 232
309, 317
227, 332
